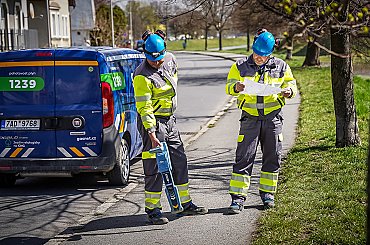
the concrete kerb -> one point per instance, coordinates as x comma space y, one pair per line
217, 117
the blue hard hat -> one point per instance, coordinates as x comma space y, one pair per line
154, 48
264, 44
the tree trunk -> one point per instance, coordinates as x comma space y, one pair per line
289, 47
312, 55
289, 53
248, 40
347, 133
220, 40
206, 38
368, 186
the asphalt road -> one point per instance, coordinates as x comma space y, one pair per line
39, 209
201, 92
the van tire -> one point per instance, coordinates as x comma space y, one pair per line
7, 180
120, 173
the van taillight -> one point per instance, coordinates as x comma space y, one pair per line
44, 54
108, 108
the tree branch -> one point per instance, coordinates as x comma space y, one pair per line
331, 52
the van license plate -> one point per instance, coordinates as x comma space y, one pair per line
22, 124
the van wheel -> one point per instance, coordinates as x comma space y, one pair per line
119, 175
7, 180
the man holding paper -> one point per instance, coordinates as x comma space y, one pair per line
262, 83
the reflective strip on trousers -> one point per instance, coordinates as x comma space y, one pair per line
260, 105
152, 200
268, 182
147, 155
184, 193
239, 184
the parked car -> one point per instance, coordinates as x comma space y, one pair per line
67, 111
139, 45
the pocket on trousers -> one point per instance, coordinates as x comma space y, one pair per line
240, 138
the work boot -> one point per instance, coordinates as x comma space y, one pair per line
156, 218
267, 199
192, 209
235, 207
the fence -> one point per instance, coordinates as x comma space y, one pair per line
13, 40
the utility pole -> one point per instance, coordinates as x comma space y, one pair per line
111, 16
131, 36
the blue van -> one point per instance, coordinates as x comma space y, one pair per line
67, 111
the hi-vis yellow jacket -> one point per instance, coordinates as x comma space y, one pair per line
156, 90
276, 72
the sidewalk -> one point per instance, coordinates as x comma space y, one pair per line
210, 159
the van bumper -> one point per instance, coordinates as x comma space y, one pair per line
102, 163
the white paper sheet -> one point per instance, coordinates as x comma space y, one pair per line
254, 88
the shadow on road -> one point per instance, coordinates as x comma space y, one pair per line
23, 240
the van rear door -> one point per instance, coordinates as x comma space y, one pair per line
78, 103
27, 100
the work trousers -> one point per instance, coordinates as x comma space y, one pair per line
253, 130
166, 131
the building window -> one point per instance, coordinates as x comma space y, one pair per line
56, 31
4, 31
64, 27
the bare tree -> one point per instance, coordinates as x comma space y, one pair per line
251, 15
220, 13
215, 13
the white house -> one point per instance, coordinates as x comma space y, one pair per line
82, 22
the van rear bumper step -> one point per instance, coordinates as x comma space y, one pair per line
72, 166
102, 163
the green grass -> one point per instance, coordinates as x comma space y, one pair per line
321, 196
198, 44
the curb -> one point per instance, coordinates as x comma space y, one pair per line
206, 54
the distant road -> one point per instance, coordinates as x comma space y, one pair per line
228, 48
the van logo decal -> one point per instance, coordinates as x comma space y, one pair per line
21, 84
77, 122
115, 79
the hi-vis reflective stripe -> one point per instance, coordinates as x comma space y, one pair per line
49, 63
77, 152
76, 63
88, 150
28, 152
16, 152
27, 63
3, 153
64, 152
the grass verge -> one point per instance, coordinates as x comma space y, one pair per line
198, 44
321, 195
